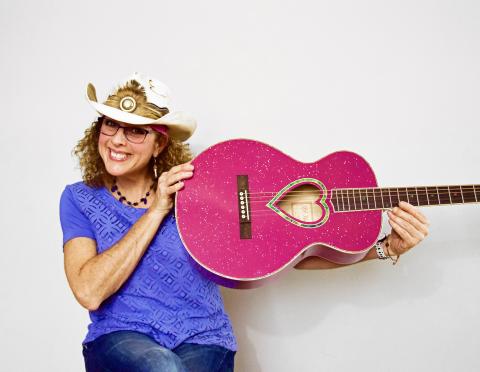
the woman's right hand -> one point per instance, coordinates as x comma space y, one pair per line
168, 184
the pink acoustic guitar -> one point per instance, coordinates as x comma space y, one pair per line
250, 211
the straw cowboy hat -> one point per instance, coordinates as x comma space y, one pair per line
140, 100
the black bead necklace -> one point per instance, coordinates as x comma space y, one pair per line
114, 189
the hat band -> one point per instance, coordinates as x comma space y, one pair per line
160, 129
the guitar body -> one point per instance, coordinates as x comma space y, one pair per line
281, 223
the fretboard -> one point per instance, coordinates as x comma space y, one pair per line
371, 198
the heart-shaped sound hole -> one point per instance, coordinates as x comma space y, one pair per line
302, 203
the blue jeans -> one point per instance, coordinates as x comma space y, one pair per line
136, 352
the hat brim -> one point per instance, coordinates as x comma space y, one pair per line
180, 124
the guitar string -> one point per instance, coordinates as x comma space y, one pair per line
472, 188
267, 211
346, 207
265, 208
377, 196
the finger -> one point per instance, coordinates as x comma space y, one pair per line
407, 216
412, 210
407, 226
174, 188
406, 237
178, 177
181, 167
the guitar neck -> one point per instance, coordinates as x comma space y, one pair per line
372, 198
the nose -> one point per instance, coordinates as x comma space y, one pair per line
119, 137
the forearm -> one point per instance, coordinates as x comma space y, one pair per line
318, 263
105, 273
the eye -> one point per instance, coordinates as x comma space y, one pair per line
110, 123
139, 131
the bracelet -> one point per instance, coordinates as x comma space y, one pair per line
381, 253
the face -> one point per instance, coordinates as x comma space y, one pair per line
123, 157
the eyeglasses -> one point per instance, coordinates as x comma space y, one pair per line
132, 134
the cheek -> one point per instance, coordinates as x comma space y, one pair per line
101, 141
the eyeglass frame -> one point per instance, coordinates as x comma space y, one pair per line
126, 130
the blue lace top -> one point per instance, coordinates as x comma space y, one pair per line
165, 297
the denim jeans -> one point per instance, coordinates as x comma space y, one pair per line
136, 352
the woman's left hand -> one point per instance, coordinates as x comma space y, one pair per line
409, 227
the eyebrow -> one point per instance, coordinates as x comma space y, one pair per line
130, 126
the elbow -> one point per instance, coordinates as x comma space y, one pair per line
88, 301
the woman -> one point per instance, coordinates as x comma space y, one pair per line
150, 309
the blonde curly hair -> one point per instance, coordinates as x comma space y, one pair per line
93, 169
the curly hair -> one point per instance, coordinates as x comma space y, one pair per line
91, 164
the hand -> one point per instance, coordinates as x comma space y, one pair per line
409, 227
168, 184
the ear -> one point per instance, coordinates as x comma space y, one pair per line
160, 144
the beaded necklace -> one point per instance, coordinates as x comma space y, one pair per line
114, 189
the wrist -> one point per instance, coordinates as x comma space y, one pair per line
158, 211
382, 248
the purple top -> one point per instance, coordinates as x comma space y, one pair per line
165, 297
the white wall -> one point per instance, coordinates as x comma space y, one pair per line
396, 81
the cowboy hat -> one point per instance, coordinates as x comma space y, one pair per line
144, 101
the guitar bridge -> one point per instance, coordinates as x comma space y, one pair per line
244, 215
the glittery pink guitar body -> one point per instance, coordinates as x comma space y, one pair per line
250, 211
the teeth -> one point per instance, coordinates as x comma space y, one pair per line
117, 156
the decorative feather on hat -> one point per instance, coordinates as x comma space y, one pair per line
142, 101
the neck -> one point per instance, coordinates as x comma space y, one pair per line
382, 198
134, 187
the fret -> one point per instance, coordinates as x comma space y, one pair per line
378, 198
432, 194
386, 199
402, 194
444, 195
468, 193
334, 200
422, 196
394, 196
350, 200
412, 195
343, 201
364, 199
357, 199
371, 199
456, 195
476, 192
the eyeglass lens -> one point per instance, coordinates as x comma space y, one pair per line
134, 135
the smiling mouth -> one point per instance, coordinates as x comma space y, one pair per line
117, 156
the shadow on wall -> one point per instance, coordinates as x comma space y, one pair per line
301, 300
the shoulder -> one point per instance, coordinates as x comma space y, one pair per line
79, 188
79, 193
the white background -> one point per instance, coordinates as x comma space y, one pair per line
396, 81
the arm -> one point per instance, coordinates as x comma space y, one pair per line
94, 277
314, 262
409, 227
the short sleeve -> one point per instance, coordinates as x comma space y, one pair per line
74, 223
